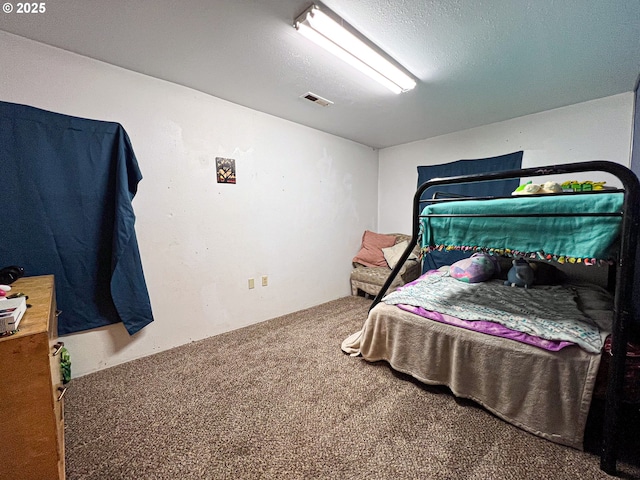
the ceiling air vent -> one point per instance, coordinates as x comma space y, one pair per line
312, 97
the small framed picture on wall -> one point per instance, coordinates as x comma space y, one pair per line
225, 170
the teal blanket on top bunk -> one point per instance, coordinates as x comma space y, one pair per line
564, 239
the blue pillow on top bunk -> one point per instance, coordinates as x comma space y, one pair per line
477, 268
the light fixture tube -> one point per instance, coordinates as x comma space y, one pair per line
327, 33
339, 52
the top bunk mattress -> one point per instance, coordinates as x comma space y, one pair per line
577, 239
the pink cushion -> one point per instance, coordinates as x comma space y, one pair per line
370, 253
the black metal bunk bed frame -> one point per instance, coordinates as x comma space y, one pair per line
624, 271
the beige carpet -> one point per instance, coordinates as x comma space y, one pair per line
280, 400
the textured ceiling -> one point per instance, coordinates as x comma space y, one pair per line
477, 61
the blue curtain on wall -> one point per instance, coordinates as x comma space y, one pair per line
67, 187
510, 161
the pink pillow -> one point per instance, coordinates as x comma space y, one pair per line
370, 254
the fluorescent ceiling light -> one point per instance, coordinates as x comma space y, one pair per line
330, 35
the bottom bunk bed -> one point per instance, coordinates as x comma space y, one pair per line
544, 387
533, 357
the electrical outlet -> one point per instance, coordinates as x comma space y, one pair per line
265, 280
252, 283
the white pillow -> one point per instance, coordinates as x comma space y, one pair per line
393, 254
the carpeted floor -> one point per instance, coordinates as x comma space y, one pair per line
280, 400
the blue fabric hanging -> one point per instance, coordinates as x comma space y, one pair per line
510, 161
67, 186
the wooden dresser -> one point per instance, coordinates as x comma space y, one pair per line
31, 390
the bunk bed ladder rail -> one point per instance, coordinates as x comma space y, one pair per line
623, 297
623, 314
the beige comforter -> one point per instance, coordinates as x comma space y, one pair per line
545, 393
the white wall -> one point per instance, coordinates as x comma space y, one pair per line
297, 213
595, 130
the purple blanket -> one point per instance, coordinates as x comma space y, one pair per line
482, 326
490, 328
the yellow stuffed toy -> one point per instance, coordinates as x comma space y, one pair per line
535, 189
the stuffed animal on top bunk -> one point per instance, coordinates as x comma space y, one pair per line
521, 274
530, 188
